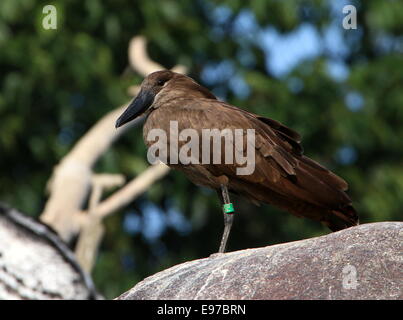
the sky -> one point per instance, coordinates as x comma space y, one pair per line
283, 52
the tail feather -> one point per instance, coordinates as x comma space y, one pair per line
342, 218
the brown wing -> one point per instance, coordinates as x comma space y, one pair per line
280, 146
283, 176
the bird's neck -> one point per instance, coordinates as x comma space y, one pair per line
175, 97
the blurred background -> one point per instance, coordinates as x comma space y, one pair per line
288, 60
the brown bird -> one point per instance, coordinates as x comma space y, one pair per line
282, 175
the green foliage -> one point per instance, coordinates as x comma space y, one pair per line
55, 84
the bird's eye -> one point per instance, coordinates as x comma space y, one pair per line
161, 82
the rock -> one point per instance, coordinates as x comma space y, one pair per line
363, 262
36, 264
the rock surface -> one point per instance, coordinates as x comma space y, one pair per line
363, 262
36, 264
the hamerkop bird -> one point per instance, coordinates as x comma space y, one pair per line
282, 175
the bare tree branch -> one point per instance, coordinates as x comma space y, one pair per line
130, 191
71, 180
140, 61
92, 231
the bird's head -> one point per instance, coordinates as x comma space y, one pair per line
153, 84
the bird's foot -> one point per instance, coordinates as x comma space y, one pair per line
216, 255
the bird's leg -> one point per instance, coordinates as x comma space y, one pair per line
228, 210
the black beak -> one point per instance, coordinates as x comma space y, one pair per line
140, 104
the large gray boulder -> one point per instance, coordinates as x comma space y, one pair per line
363, 262
36, 264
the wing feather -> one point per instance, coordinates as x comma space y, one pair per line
283, 176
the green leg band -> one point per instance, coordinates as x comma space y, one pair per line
228, 208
